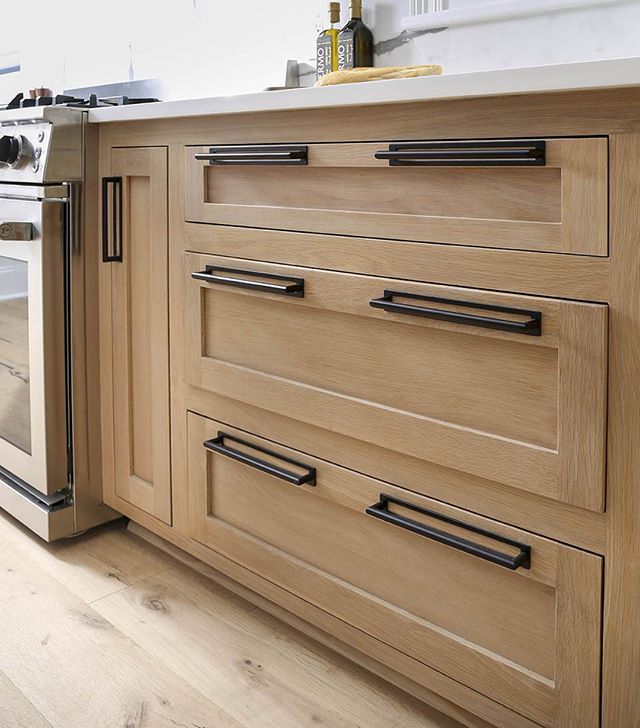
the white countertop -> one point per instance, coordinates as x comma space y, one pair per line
562, 77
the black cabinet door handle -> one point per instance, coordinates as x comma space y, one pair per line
218, 444
211, 274
257, 154
532, 326
112, 222
498, 153
520, 560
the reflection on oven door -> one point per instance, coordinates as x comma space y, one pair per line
33, 303
15, 400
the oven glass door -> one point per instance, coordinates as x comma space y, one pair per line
33, 411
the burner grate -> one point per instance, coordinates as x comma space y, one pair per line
91, 102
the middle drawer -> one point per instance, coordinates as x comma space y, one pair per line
504, 387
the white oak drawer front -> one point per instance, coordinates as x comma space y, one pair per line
504, 387
509, 614
544, 195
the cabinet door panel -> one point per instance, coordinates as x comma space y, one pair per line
140, 332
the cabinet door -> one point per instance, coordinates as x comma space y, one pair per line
135, 247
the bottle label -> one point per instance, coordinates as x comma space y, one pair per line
346, 55
324, 56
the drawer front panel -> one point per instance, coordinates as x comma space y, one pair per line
560, 206
507, 388
452, 600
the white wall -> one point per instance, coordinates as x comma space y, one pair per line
211, 47
198, 47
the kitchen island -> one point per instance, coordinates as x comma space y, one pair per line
370, 353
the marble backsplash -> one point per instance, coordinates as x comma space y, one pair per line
207, 48
578, 34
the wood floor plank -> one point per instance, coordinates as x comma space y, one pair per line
106, 630
15, 710
259, 670
92, 565
76, 668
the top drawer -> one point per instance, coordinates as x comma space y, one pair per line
543, 195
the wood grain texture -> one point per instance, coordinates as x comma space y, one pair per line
262, 673
15, 710
482, 400
178, 323
271, 609
139, 339
388, 588
585, 195
583, 360
586, 529
552, 275
430, 686
90, 567
621, 702
559, 207
165, 649
578, 659
547, 274
76, 668
328, 629
563, 114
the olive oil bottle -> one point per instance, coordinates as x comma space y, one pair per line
355, 41
327, 44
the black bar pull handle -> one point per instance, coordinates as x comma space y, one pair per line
212, 274
112, 220
482, 153
520, 560
531, 326
218, 445
257, 154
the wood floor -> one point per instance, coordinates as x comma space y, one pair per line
106, 631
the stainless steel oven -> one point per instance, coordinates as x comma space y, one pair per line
50, 465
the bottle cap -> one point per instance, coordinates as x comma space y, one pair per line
356, 7
334, 12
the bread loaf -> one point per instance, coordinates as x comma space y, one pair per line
356, 75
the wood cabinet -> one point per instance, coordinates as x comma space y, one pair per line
445, 348
135, 339
489, 193
507, 388
503, 611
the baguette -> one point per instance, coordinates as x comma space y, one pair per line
357, 75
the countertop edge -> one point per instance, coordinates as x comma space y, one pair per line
614, 73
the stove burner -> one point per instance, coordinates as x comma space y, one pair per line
93, 102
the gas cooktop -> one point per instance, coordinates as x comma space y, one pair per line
93, 101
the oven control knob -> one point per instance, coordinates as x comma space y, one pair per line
13, 150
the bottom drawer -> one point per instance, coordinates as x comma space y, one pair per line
509, 614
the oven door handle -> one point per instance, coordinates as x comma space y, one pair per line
20, 231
